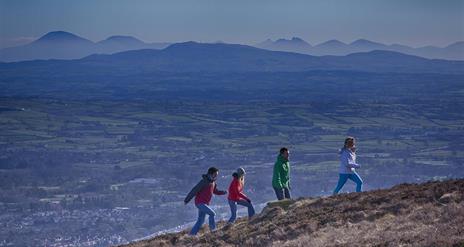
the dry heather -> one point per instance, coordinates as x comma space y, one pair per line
430, 214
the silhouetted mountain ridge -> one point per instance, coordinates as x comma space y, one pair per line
453, 51
122, 39
218, 57
367, 44
61, 36
65, 45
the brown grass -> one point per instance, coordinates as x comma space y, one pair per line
430, 214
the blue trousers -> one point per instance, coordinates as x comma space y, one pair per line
283, 193
204, 210
344, 177
233, 209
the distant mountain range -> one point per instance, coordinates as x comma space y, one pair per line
218, 57
454, 51
64, 45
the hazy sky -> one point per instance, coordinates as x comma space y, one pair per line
409, 22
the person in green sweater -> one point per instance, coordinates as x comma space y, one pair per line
281, 175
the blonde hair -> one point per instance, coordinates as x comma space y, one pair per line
241, 179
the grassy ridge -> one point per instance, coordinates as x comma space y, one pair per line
429, 214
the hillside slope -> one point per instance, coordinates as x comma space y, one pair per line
430, 214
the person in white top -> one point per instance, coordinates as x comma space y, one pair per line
348, 166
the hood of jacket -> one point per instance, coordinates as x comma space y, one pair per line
207, 178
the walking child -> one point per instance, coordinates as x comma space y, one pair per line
348, 166
203, 192
236, 195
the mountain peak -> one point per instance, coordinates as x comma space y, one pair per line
294, 44
459, 45
332, 42
183, 44
59, 36
120, 39
294, 40
364, 42
267, 43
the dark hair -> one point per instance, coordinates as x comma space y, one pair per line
283, 150
212, 170
348, 140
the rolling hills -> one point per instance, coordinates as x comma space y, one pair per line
205, 57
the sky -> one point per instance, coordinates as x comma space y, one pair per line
409, 22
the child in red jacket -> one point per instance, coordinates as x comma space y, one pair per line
236, 195
203, 192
